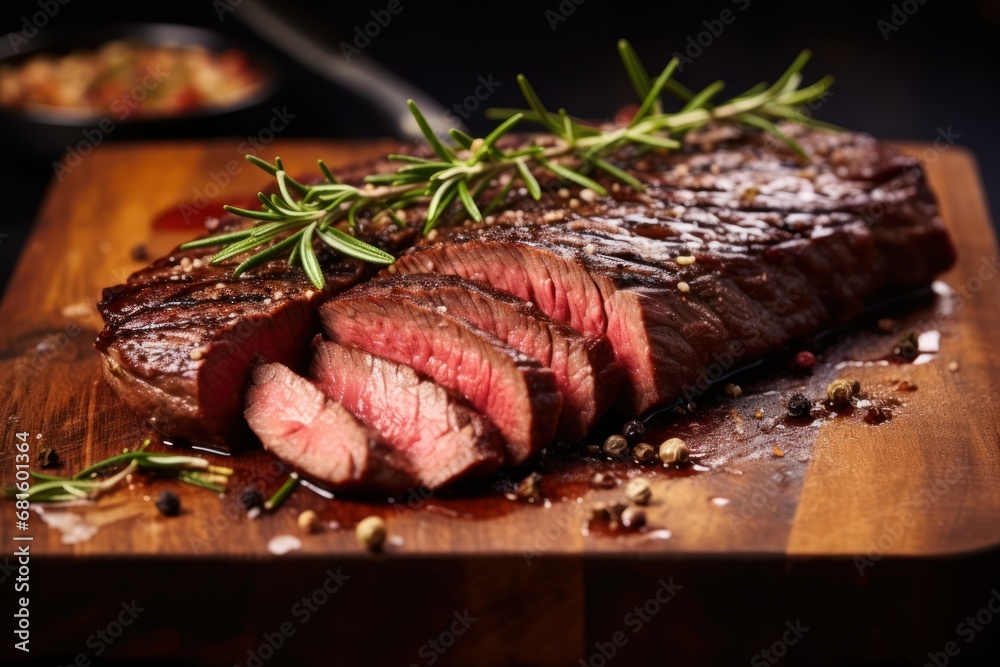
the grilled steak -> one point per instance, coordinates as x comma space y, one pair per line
513, 390
304, 428
586, 373
779, 252
180, 335
734, 249
435, 431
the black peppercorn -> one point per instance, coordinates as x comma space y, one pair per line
168, 503
139, 253
906, 346
799, 405
634, 431
251, 497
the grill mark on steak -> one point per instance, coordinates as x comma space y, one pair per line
513, 390
180, 336
586, 373
440, 436
297, 423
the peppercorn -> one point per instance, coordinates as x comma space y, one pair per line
48, 458
839, 392
139, 253
370, 533
799, 405
308, 521
856, 388
674, 450
169, 504
530, 487
805, 360
251, 497
633, 518
615, 445
906, 346
637, 491
634, 431
644, 452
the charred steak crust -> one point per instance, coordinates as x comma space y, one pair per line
435, 430
586, 373
513, 390
180, 336
295, 421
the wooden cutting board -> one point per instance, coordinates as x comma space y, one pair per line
762, 493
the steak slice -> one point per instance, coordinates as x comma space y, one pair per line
300, 425
586, 373
440, 436
514, 391
180, 337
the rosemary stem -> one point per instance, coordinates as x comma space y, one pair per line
281, 495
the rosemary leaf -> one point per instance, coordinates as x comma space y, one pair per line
327, 173
443, 151
264, 256
574, 176
529, 180
310, 263
704, 96
468, 202
263, 164
535, 102
768, 126
653, 95
221, 239
352, 247
461, 138
620, 174
442, 198
637, 73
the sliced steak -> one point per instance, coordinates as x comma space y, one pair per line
760, 279
513, 390
180, 336
300, 425
586, 373
440, 436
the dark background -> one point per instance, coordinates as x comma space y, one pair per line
936, 71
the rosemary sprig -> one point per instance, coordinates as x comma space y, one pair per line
290, 223
87, 484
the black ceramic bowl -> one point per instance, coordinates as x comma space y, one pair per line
39, 135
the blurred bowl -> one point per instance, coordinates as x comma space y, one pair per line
45, 135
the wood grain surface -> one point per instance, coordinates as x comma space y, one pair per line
925, 484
